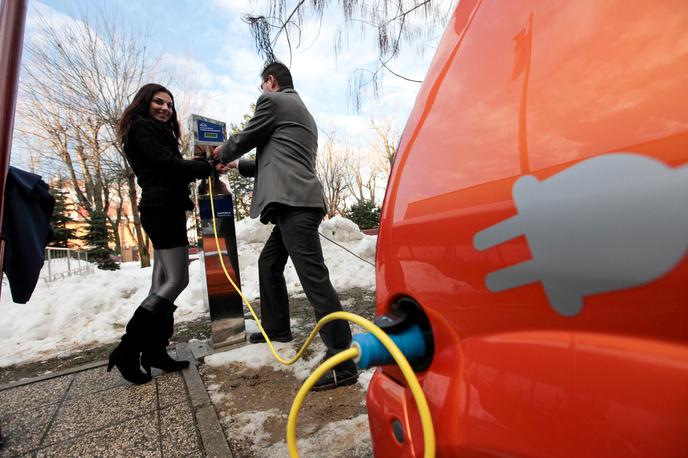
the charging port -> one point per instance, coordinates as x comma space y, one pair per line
404, 313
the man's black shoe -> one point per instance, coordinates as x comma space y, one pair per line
257, 337
335, 378
342, 375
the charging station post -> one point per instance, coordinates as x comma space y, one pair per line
223, 302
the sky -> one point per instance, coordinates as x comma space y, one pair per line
211, 47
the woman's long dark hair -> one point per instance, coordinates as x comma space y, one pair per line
140, 106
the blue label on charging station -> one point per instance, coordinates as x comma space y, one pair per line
223, 207
209, 131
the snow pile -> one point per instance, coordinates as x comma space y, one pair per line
253, 231
341, 230
78, 312
64, 316
346, 271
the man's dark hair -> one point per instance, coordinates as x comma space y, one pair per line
281, 74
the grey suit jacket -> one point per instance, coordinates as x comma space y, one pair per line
286, 140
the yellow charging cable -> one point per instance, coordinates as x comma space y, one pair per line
330, 363
286, 362
399, 358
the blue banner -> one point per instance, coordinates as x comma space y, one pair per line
209, 131
223, 207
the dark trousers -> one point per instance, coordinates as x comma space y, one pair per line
296, 235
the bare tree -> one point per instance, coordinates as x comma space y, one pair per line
77, 80
241, 186
332, 170
387, 139
369, 170
362, 181
186, 101
394, 24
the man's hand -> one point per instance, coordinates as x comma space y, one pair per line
223, 168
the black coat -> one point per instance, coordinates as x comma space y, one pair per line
161, 171
26, 226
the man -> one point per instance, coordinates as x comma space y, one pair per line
287, 193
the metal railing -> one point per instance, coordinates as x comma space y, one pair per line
65, 262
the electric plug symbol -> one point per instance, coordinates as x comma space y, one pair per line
607, 223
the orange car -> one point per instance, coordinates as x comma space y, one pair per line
536, 224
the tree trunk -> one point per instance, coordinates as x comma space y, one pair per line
118, 216
144, 256
115, 232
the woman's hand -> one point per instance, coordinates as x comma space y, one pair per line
203, 152
217, 153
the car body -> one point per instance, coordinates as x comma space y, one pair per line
536, 213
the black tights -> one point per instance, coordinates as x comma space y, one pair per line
170, 272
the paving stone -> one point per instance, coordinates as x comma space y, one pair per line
136, 437
94, 380
30, 396
171, 389
178, 432
23, 430
97, 410
200, 348
90, 412
214, 441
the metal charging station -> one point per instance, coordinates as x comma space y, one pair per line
223, 301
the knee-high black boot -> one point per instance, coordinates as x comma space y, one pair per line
155, 351
126, 355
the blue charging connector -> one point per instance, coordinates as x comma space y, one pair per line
372, 353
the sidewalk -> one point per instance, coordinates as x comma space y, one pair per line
88, 412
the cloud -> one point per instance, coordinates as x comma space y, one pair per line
39, 12
321, 75
242, 62
214, 65
239, 6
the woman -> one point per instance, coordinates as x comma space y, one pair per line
149, 132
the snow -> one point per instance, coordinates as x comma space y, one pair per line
346, 271
351, 437
256, 356
346, 437
78, 312
254, 423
